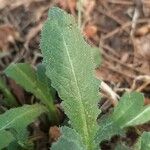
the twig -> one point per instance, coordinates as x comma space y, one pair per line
116, 89
110, 49
145, 78
143, 86
115, 18
36, 56
122, 64
120, 29
120, 2
114, 97
117, 71
136, 15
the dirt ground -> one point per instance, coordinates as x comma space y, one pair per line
120, 28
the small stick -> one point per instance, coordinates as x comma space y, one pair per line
120, 63
119, 72
136, 15
145, 78
105, 106
114, 97
143, 86
110, 49
121, 2
126, 25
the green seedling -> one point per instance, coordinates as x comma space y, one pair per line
68, 67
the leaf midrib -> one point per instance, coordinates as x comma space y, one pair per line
31, 83
139, 115
83, 116
11, 122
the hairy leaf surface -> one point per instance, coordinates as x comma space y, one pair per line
26, 76
143, 142
18, 118
5, 138
129, 112
69, 139
70, 66
15, 146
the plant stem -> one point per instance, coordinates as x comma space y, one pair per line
53, 115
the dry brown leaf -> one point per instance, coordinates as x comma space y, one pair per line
90, 30
89, 6
147, 101
143, 30
15, 3
37, 9
142, 45
62, 4
68, 5
124, 57
54, 133
8, 35
146, 7
72, 5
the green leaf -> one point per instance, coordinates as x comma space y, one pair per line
69, 65
41, 75
17, 119
9, 98
26, 76
143, 142
69, 139
129, 112
14, 146
96, 57
22, 138
121, 146
5, 138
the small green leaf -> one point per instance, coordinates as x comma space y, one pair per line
15, 146
22, 138
5, 138
26, 76
129, 112
41, 75
69, 139
70, 67
143, 142
17, 119
9, 98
